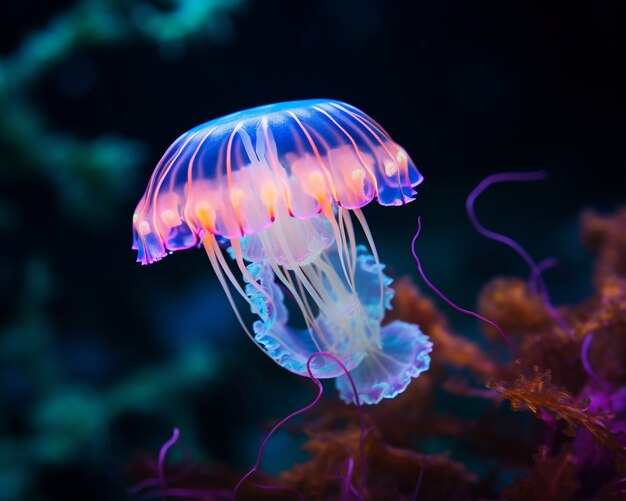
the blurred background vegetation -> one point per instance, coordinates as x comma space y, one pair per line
100, 356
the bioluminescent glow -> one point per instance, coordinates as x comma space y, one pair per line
280, 187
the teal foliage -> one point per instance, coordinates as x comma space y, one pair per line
100, 356
55, 413
77, 167
69, 420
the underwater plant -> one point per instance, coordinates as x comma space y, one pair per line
95, 170
278, 186
566, 442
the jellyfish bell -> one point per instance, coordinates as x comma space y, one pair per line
283, 185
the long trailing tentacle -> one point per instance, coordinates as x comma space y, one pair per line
449, 301
320, 391
535, 269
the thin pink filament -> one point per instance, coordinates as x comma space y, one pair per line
308, 407
419, 483
347, 489
584, 355
164, 492
448, 301
535, 270
543, 265
162, 453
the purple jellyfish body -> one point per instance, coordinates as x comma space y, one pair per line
280, 186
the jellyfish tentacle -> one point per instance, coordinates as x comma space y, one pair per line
299, 294
536, 276
370, 277
316, 282
293, 264
320, 391
309, 311
370, 241
342, 323
326, 303
347, 246
287, 282
223, 265
211, 253
259, 299
355, 294
279, 182
353, 327
432, 287
288, 347
339, 238
236, 247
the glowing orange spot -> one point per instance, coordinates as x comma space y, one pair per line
316, 186
206, 214
269, 195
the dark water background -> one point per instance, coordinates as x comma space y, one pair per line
100, 356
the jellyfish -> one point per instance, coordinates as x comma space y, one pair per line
274, 195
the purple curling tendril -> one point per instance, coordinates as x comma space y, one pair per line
448, 301
162, 490
536, 282
308, 407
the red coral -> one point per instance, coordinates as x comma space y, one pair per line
536, 392
510, 303
410, 305
588, 461
391, 472
606, 235
552, 478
